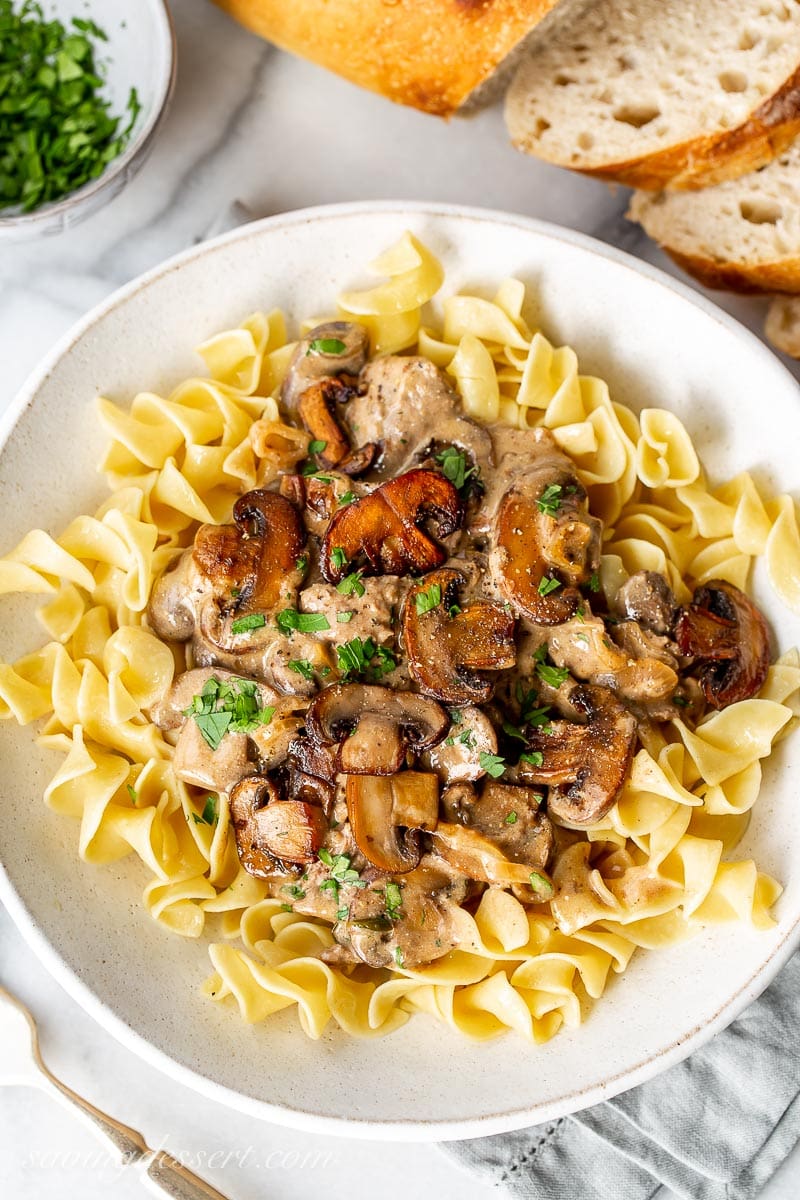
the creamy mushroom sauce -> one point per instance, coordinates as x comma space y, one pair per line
406, 676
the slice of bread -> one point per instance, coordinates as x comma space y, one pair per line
661, 93
435, 55
743, 235
782, 325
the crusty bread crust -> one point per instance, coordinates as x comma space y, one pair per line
748, 278
704, 161
429, 54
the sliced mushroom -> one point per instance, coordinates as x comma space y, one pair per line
585, 765
385, 812
725, 631
583, 646
381, 533
448, 647
507, 815
647, 598
232, 572
542, 550
315, 409
271, 832
333, 348
475, 856
457, 759
374, 726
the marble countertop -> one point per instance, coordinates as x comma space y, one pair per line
249, 124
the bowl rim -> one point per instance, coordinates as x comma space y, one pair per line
55, 216
400, 1130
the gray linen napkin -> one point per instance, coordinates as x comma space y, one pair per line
714, 1127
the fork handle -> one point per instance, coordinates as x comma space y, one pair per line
161, 1174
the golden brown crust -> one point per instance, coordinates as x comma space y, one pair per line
745, 277
712, 158
429, 54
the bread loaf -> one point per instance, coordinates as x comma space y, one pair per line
661, 93
743, 235
435, 55
782, 325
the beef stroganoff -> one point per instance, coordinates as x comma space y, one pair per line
417, 671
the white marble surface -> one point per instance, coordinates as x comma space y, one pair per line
251, 124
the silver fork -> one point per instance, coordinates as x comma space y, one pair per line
21, 1063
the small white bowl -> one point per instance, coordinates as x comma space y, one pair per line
140, 53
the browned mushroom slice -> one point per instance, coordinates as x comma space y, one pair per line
475, 856
334, 348
448, 646
270, 831
647, 598
374, 727
509, 816
725, 631
384, 813
585, 765
545, 544
316, 412
246, 567
380, 533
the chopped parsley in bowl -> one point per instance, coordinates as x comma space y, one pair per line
82, 90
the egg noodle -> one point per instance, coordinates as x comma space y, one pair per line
651, 874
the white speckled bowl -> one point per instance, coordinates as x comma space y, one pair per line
656, 343
140, 52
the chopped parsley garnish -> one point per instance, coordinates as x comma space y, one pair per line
132, 793
301, 563
229, 707
428, 598
338, 557
510, 819
398, 956
326, 346
394, 901
249, 623
681, 701
351, 583
56, 128
541, 884
547, 585
287, 908
316, 447
294, 890
583, 638
513, 731
342, 914
554, 676
594, 582
347, 498
210, 811
534, 757
289, 619
344, 618
454, 467
531, 715
456, 716
466, 738
303, 667
310, 471
235, 593
550, 500
453, 611
580, 612
492, 764
358, 657
341, 873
